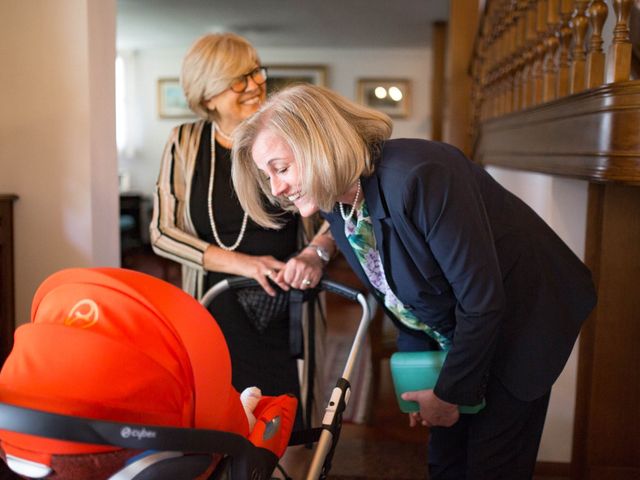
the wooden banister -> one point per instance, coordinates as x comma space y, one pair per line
574, 111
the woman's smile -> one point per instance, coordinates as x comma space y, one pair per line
274, 157
294, 197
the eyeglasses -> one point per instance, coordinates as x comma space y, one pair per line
259, 76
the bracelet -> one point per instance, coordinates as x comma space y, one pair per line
322, 252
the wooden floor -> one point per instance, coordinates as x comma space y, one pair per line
384, 447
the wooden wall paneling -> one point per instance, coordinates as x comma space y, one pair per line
587, 336
607, 417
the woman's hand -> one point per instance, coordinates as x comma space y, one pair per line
302, 271
434, 412
260, 268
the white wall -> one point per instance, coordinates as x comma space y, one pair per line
57, 137
148, 133
562, 203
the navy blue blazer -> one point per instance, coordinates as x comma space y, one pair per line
474, 262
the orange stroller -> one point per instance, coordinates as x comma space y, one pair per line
122, 376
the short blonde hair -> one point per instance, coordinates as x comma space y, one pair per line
333, 141
211, 64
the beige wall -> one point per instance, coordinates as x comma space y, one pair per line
57, 136
148, 134
562, 203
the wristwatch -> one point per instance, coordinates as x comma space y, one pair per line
322, 252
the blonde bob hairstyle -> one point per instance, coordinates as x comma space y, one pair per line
210, 65
333, 141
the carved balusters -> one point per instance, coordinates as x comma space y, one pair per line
477, 91
619, 57
597, 13
538, 64
529, 56
499, 28
534, 51
550, 67
519, 58
510, 36
488, 77
505, 55
579, 24
492, 55
565, 33
486, 71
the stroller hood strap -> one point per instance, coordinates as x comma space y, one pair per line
126, 435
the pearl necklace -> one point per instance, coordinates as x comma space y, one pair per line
226, 137
212, 222
346, 217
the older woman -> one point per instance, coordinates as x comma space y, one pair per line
198, 222
457, 262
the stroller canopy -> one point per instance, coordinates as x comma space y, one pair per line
119, 345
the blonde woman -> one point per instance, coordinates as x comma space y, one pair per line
458, 263
198, 222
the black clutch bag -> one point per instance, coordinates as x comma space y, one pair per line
261, 308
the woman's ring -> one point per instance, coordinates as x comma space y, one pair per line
306, 282
268, 273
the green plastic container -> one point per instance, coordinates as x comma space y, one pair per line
419, 371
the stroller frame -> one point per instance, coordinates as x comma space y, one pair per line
329, 433
246, 459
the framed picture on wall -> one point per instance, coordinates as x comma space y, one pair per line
171, 100
389, 95
279, 76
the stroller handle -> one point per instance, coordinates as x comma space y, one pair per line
332, 420
232, 283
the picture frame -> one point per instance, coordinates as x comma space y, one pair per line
388, 95
280, 76
171, 100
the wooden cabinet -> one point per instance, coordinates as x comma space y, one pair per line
133, 221
7, 288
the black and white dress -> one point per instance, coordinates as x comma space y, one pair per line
258, 359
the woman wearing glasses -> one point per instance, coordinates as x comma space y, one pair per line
198, 221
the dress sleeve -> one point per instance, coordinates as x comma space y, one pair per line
170, 203
445, 204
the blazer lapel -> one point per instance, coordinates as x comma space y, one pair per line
379, 215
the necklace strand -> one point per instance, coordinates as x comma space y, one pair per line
226, 137
212, 222
346, 217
